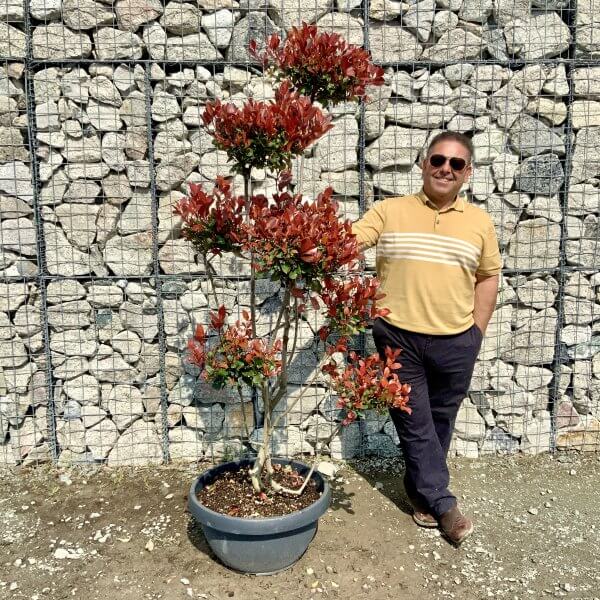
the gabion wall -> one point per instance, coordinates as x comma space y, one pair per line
100, 133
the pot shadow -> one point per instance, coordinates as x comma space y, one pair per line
393, 484
196, 537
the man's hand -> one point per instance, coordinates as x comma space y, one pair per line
486, 292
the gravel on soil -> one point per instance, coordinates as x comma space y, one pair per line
126, 533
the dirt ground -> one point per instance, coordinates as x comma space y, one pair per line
125, 534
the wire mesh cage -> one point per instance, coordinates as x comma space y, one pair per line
101, 134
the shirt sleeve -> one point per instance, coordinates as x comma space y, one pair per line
369, 228
490, 262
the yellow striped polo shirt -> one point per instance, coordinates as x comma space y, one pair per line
427, 260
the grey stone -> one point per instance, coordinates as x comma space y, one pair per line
537, 293
468, 101
469, 425
423, 116
12, 41
541, 175
585, 113
85, 14
534, 245
84, 389
155, 40
131, 14
18, 235
12, 353
586, 82
347, 444
12, 145
130, 254
443, 22
385, 10
506, 104
538, 36
138, 445
336, 150
137, 215
101, 436
164, 106
288, 441
392, 43
74, 342
69, 315
73, 366
552, 112
542, 206
287, 13
135, 318
61, 257
206, 418
103, 117
350, 28
185, 444
531, 137
195, 46
504, 167
45, 10
533, 343
397, 146
56, 41
15, 180
419, 19
457, 44
116, 188
64, 290
78, 221
476, 11
125, 405
114, 44
586, 22
586, 159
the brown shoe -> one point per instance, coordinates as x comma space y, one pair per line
424, 519
455, 526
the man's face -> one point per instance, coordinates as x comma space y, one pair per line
443, 182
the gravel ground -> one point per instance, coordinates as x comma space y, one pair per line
125, 533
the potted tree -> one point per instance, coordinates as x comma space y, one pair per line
259, 514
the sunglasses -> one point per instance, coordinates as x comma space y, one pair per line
456, 164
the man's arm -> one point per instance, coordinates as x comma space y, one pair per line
369, 228
486, 292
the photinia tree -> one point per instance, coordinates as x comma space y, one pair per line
302, 244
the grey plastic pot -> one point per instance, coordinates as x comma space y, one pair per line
259, 546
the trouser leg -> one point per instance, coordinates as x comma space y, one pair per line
449, 367
426, 470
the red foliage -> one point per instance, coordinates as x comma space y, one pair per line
300, 240
212, 222
351, 304
369, 383
237, 356
322, 66
266, 134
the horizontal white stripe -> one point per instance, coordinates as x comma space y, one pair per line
430, 238
428, 246
414, 255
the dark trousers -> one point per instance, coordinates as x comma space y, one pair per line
439, 370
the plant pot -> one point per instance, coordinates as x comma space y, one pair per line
260, 546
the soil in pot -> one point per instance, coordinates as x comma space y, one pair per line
232, 494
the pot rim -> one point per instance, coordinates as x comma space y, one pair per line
257, 525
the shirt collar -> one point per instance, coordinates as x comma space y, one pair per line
458, 204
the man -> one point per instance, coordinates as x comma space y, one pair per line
438, 262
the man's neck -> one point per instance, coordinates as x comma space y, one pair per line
440, 203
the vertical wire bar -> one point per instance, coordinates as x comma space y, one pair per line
42, 275
559, 358
362, 342
156, 267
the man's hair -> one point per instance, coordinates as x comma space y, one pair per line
454, 136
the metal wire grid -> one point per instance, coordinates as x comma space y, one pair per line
102, 272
